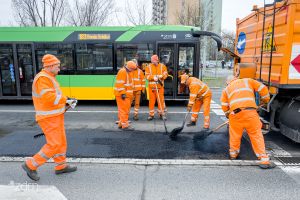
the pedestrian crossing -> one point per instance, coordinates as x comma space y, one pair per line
216, 108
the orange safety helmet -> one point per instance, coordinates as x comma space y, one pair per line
49, 60
131, 65
154, 58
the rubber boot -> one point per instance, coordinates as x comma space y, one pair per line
150, 118
128, 128
32, 174
191, 123
67, 169
266, 165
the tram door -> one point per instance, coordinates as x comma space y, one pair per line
179, 59
25, 68
7, 71
166, 53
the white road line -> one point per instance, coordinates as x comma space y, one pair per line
20, 191
218, 112
147, 161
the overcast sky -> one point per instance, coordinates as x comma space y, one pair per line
232, 9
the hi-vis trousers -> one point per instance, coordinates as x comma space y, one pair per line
206, 109
123, 111
154, 98
248, 120
56, 146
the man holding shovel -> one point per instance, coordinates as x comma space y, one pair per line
238, 104
200, 94
156, 73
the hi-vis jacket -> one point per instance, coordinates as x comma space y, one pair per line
197, 88
47, 96
124, 83
240, 94
138, 80
152, 70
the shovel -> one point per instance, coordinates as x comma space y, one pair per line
203, 134
176, 131
160, 103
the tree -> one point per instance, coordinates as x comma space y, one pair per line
138, 13
90, 12
190, 14
228, 39
39, 12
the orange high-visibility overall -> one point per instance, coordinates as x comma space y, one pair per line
150, 72
123, 85
200, 94
49, 104
238, 101
138, 87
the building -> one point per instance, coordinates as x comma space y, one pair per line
174, 12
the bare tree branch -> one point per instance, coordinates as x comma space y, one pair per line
90, 12
137, 13
36, 12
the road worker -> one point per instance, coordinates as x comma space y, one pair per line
124, 92
238, 104
49, 103
138, 88
200, 94
156, 73
183, 78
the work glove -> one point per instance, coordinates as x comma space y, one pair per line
123, 96
72, 102
155, 78
144, 91
189, 108
227, 115
160, 76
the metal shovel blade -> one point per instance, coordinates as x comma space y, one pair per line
202, 135
175, 132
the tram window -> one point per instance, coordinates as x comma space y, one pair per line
186, 59
7, 69
62, 51
94, 57
141, 52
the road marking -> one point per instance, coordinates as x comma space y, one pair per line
219, 112
146, 161
27, 191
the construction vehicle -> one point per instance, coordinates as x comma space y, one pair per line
268, 50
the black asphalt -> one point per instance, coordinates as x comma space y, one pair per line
119, 144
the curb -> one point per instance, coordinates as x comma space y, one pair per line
150, 161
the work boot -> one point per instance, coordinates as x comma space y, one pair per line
162, 117
234, 157
191, 123
67, 169
150, 118
136, 118
128, 128
32, 174
266, 165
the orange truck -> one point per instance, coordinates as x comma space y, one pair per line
268, 50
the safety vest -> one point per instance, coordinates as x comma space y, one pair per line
44, 106
152, 70
240, 94
124, 83
138, 80
197, 88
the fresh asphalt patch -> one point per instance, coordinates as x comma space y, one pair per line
93, 143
